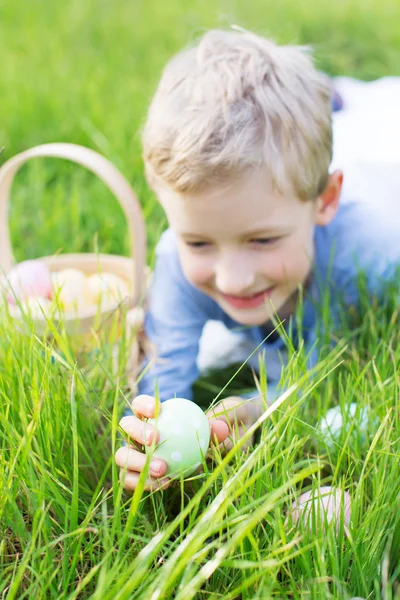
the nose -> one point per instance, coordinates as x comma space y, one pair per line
234, 274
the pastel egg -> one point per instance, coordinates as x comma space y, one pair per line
184, 436
321, 507
27, 279
70, 288
107, 287
37, 307
336, 419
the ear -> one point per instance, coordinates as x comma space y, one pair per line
328, 201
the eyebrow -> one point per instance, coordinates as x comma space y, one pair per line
190, 234
262, 232
280, 229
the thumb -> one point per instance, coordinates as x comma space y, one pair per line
219, 431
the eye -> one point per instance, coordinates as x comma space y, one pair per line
197, 245
266, 241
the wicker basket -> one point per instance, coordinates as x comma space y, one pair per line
133, 270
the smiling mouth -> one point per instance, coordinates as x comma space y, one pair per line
248, 301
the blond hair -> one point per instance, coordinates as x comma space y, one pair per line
234, 103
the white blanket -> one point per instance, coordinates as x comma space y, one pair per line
366, 136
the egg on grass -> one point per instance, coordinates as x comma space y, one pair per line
184, 436
337, 418
321, 506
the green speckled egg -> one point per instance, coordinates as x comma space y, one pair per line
184, 436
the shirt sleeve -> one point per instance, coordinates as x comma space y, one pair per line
361, 244
174, 321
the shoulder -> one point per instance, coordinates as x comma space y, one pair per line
167, 262
167, 243
362, 230
363, 236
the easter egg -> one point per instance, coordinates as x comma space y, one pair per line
322, 506
27, 279
107, 287
37, 307
332, 424
184, 436
70, 288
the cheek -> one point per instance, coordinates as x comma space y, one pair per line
291, 262
197, 269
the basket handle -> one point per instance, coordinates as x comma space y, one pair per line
107, 172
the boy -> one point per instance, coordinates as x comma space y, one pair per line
237, 147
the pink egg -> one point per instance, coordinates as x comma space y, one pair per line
322, 506
27, 279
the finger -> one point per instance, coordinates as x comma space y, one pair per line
135, 461
144, 406
236, 436
232, 438
219, 431
221, 436
139, 431
130, 481
230, 410
232, 421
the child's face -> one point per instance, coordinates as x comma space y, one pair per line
247, 247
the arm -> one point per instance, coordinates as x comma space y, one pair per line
174, 322
362, 240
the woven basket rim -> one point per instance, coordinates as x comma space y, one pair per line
90, 311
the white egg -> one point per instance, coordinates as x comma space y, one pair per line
37, 307
107, 288
70, 288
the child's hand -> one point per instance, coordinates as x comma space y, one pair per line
234, 410
134, 459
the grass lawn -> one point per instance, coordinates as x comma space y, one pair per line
84, 72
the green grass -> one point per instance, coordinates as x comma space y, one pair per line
84, 72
